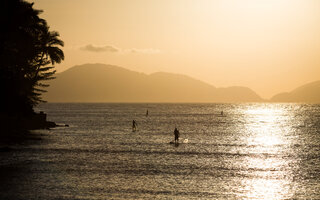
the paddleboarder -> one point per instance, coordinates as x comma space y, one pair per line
134, 125
176, 135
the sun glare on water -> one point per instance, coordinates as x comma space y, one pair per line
265, 126
265, 136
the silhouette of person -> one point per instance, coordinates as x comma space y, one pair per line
147, 113
134, 125
176, 135
221, 112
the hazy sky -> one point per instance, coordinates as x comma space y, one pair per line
270, 46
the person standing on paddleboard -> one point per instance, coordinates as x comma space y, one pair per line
176, 135
134, 125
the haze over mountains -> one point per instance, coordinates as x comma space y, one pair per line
107, 83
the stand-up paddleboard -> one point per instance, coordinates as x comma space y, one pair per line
181, 141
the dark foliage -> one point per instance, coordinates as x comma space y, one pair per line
28, 51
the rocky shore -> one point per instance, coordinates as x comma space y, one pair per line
31, 122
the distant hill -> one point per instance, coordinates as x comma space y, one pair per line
107, 83
309, 93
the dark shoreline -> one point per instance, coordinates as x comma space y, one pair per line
16, 130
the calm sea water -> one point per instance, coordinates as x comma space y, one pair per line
252, 151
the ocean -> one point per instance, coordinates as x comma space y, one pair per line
251, 151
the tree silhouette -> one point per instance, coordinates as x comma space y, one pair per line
28, 51
48, 53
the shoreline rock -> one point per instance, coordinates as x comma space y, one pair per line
31, 122
38, 121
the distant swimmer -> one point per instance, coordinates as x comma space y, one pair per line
147, 113
134, 125
176, 135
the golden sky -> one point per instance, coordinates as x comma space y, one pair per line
270, 46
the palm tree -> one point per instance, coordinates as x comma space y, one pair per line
48, 52
27, 47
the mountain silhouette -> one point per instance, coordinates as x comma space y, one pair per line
308, 93
107, 83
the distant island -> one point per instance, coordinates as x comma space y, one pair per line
308, 93
108, 83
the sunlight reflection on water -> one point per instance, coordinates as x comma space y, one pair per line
266, 134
